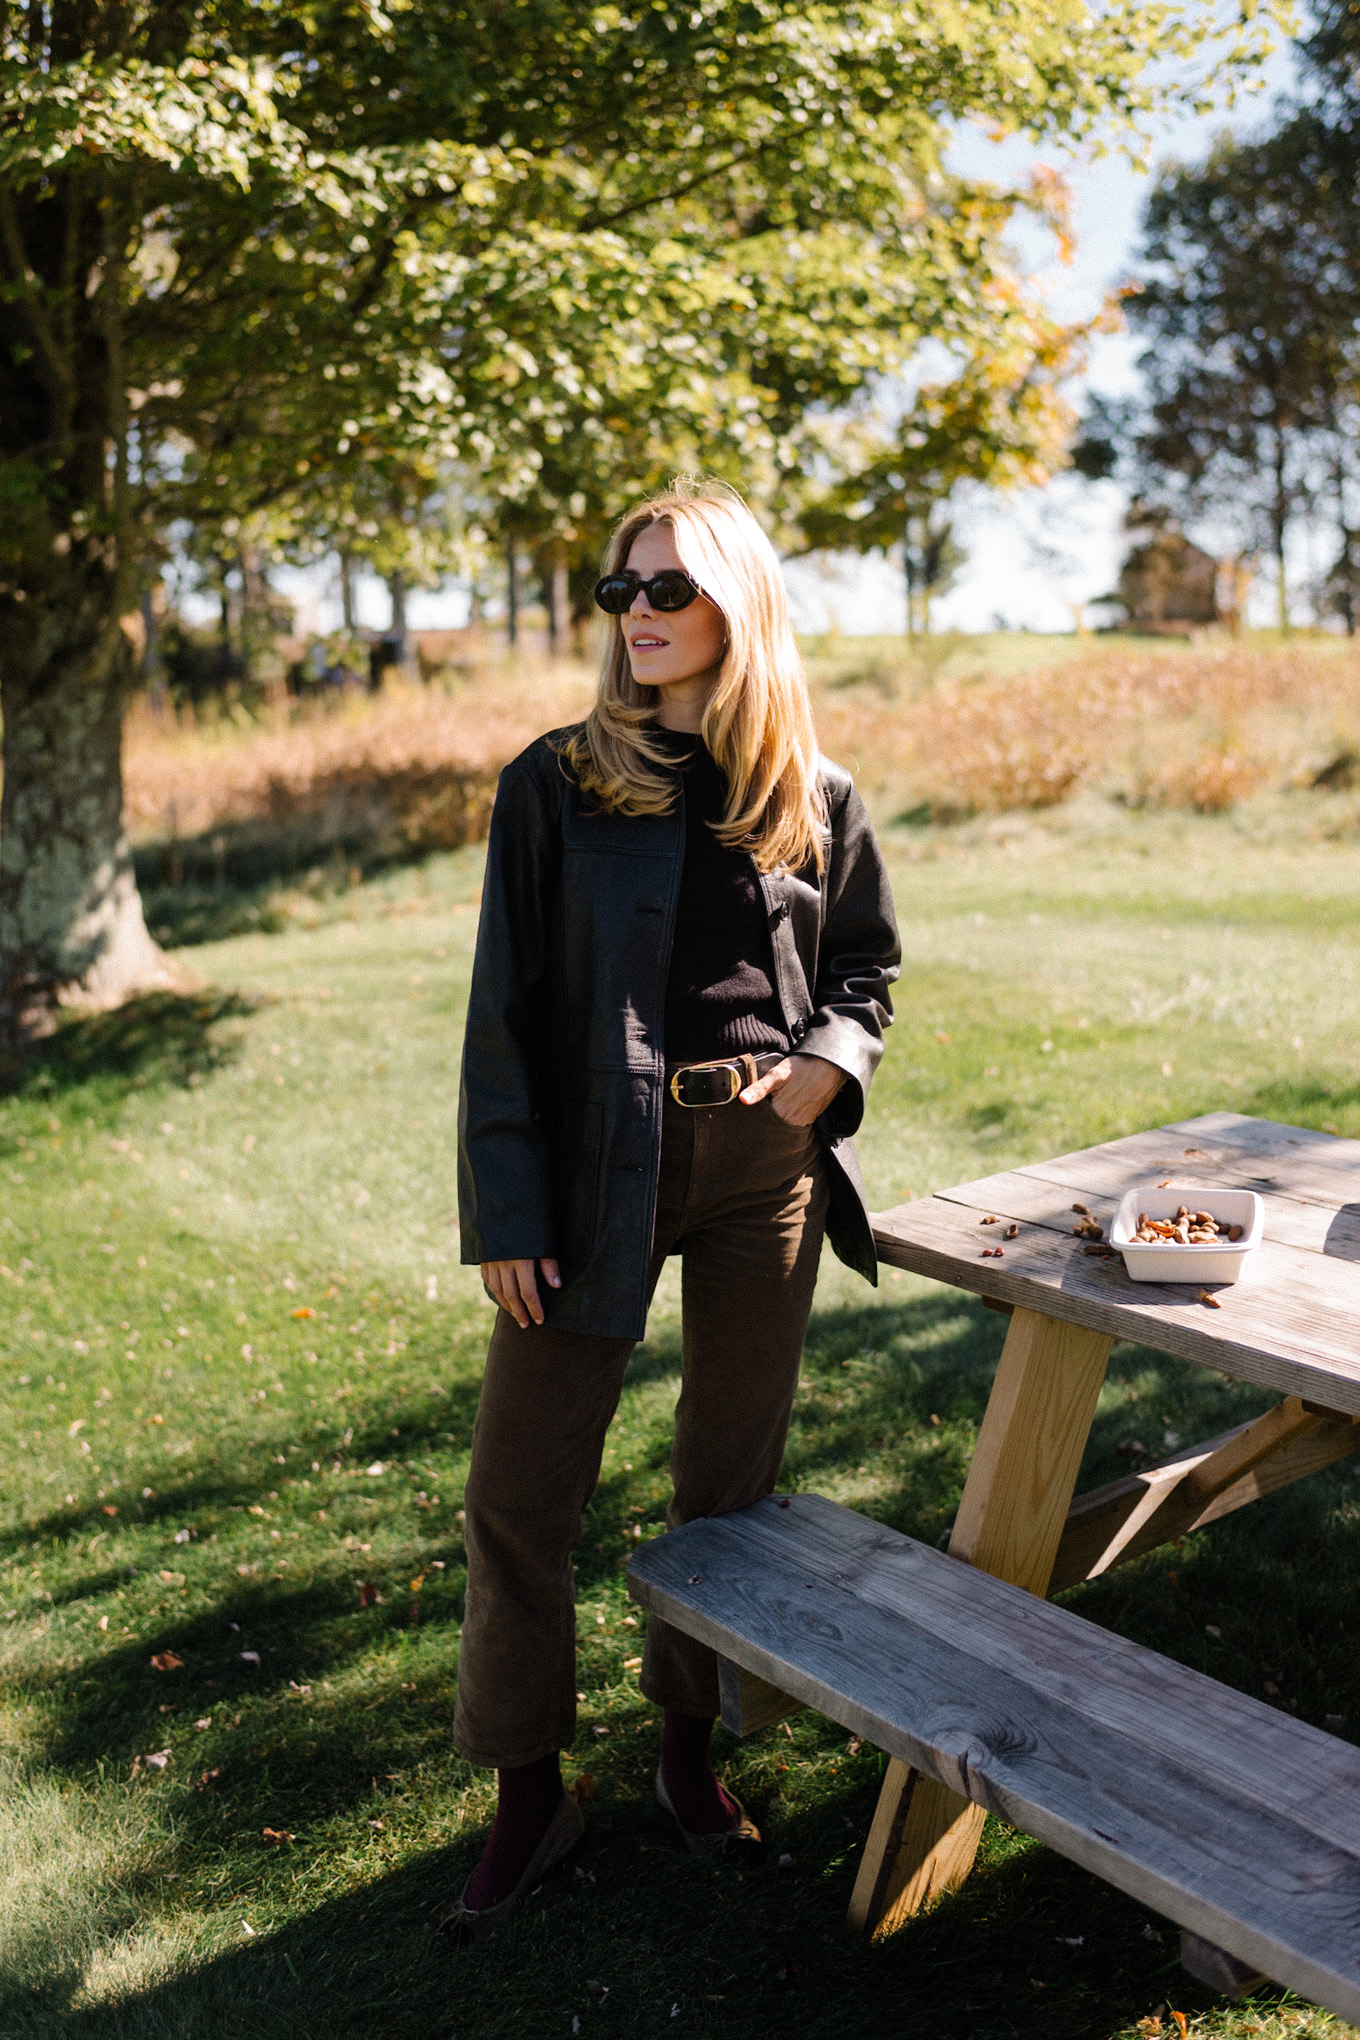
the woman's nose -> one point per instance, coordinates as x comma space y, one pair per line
640, 606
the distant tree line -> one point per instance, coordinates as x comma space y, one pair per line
1248, 293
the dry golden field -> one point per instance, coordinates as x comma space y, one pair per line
1149, 725
967, 726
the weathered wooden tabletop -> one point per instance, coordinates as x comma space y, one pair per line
1291, 1323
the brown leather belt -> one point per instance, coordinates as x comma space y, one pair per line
718, 1083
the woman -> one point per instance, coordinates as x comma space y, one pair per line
678, 1000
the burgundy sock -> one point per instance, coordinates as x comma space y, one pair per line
528, 1797
700, 1803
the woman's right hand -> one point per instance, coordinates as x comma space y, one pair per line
514, 1285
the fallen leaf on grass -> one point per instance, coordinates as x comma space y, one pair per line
375, 1468
172, 1579
276, 1834
205, 1721
583, 1791
250, 1657
166, 1661
1179, 2017
632, 1664
206, 1777
157, 1761
109, 1509
304, 1310
368, 1593
103, 1622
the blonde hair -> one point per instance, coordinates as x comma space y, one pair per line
758, 719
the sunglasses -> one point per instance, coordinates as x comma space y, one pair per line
667, 591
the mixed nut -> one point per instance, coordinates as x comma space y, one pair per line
1187, 1229
1087, 1226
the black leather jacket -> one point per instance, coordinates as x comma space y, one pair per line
559, 1118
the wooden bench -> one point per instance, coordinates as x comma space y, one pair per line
1229, 1817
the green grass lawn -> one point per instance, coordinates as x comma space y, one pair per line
238, 1372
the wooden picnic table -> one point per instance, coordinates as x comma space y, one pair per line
1292, 1324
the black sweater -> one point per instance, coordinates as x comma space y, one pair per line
720, 995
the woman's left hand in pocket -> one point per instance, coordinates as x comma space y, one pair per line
800, 1088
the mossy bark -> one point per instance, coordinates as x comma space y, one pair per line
71, 924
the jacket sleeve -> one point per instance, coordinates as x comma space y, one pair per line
857, 961
505, 1200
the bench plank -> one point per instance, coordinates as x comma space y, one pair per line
1234, 1820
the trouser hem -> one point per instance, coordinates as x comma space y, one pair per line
515, 1760
686, 1706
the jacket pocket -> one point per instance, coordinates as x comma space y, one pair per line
577, 1184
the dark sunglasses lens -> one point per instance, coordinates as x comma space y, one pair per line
671, 590
615, 593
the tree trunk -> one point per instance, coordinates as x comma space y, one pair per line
555, 588
153, 670
226, 658
1279, 527
71, 925
347, 591
511, 594
398, 642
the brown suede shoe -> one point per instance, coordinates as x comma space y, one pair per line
565, 1830
742, 1840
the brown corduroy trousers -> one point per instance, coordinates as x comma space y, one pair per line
743, 1200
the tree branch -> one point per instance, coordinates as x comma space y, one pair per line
602, 221
62, 384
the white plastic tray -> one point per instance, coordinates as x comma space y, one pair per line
1146, 1263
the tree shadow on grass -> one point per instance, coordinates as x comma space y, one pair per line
350, 824
445, 1422
635, 1938
1304, 1101
162, 1037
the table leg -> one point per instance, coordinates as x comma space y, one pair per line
1010, 1522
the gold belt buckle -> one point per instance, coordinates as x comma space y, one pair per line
734, 1076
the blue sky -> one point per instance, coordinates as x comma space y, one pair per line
1033, 556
